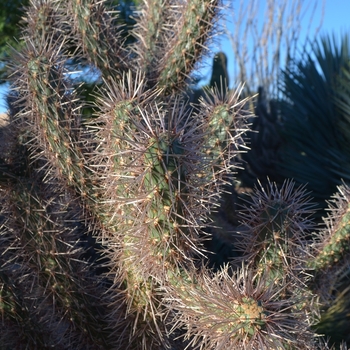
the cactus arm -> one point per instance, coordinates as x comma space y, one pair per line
49, 114
43, 255
189, 43
172, 38
95, 35
336, 247
333, 244
149, 31
53, 119
238, 309
330, 265
278, 221
18, 323
219, 77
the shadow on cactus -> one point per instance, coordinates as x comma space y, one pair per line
142, 177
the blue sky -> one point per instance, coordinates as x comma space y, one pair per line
333, 17
335, 20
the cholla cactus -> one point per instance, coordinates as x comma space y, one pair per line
140, 179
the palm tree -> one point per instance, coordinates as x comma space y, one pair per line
315, 118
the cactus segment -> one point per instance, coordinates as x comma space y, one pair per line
188, 45
55, 119
93, 32
159, 177
44, 254
219, 77
156, 175
234, 310
224, 115
172, 38
165, 182
48, 115
41, 18
149, 29
277, 222
336, 247
334, 241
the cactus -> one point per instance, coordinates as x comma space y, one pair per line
105, 217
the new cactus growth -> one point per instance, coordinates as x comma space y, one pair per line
277, 244
142, 177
